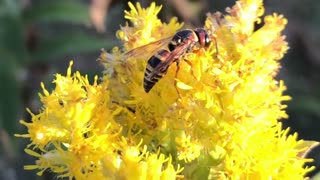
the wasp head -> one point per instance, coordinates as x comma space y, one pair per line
203, 37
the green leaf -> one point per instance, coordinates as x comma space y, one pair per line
10, 95
70, 43
305, 104
12, 40
55, 11
10, 8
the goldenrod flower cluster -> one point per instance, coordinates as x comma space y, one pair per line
222, 123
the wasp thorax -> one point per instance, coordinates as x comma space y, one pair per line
187, 36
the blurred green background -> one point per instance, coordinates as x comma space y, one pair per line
38, 38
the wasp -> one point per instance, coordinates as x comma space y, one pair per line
181, 43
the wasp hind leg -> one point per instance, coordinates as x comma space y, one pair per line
177, 72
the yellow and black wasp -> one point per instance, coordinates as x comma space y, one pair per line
181, 43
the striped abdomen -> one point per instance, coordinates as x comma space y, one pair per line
153, 62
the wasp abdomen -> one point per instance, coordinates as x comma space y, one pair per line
153, 62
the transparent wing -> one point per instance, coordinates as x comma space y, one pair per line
174, 55
148, 50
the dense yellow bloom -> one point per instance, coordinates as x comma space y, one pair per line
223, 123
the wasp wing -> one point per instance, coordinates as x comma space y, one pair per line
174, 56
148, 50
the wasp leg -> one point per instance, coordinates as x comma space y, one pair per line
191, 67
176, 76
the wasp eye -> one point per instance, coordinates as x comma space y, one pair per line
207, 40
203, 36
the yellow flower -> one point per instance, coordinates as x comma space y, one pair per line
223, 123
187, 151
146, 27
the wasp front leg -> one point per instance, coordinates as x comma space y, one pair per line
216, 45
